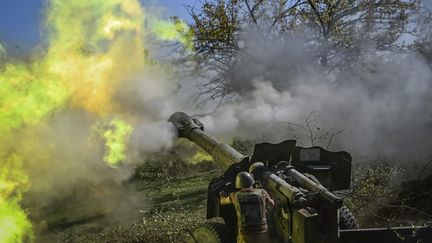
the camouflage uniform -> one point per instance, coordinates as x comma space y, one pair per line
250, 205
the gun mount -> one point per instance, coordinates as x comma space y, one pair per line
300, 180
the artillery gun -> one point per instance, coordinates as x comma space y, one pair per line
300, 180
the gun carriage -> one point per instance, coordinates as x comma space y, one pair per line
300, 180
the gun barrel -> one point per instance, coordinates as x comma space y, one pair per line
313, 186
274, 183
193, 129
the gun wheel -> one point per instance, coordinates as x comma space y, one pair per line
211, 232
347, 219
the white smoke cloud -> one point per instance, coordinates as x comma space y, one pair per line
384, 101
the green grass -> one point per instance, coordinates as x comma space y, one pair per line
168, 208
189, 192
168, 211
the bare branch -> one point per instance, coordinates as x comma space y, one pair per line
318, 15
424, 169
330, 140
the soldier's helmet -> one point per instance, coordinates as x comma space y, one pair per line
244, 180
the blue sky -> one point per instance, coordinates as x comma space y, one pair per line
20, 21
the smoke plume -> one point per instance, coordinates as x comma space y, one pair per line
68, 115
379, 107
74, 116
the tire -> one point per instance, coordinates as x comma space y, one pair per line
347, 219
211, 232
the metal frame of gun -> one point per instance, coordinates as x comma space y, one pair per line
306, 211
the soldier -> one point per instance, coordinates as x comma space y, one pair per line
250, 204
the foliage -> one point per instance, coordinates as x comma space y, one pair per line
214, 28
169, 211
169, 164
176, 207
244, 146
377, 195
336, 32
167, 226
370, 189
161, 165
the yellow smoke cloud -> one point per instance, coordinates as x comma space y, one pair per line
199, 157
28, 94
14, 225
192, 153
93, 47
116, 134
174, 30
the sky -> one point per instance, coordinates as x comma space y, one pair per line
20, 21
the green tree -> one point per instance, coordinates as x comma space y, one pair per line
335, 32
215, 27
